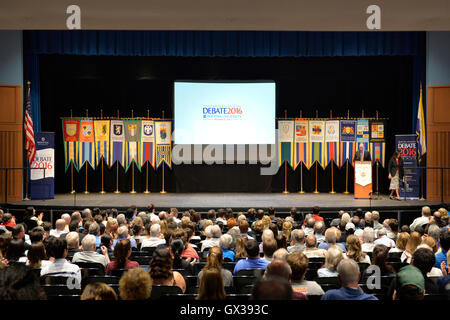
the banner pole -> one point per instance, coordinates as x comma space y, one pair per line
346, 178
332, 165
72, 191
285, 166
117, 168
102, 159
376, 162
316, 191
27, 165
301, 179
163, 191
146, 166
86, 166
132, 165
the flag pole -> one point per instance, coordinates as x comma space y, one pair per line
102, 158
86, 165
346, 164
332, 165
27, 167
71, 166
117, 168
301, 168
285, 166
316, 191
132, 167
376, 164
146, 165
163, 191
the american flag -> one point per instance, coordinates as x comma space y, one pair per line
29, 132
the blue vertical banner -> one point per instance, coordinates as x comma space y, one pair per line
406, 144
42, 184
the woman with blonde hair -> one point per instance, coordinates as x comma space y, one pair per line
211, 286
287, 228
414, 240
431, 243
206, 224
164, 226
332, 258
135, 284
241, 253
400, 244
266, 222
354, 250
214, 261
111, 228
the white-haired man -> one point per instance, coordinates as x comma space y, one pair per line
319, 230
424, 219
154, 238
298, 241
331, 238
89, 254
60, 225
309, 226
267, 234
368, 237
122, 233
73, 244
348, 276
384, 240
311, 250
66, 218
214, 241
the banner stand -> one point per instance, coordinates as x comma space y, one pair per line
42, 182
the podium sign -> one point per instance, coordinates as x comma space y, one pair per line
363, 179
43, 187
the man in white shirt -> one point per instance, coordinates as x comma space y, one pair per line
309, 228
311, 250
60, 228
174, 214
319, 230
384, 240
67, 219
89, 253
216, 233
155, 238
424, 219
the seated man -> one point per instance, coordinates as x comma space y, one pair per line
311, 250
60, 267
299, 265
253, 261
368, 236
348, 276
122, 233
331, 237
89, 254
154, 238
384, 240
410, 284
444, 242
73, 244
298, 240
60, 228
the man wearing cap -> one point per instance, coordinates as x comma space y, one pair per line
410, 284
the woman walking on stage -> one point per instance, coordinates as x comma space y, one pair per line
395, 174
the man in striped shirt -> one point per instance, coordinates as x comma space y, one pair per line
60, 267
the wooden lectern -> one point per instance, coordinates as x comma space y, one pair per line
363, 179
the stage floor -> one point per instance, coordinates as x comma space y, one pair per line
237, 201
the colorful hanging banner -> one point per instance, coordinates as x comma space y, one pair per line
332, 141
117, 143
163, 140
87, 143
347, 144
377, 143
362, 133
285, 142
316, 143
147, 147
71, 131
301, 142
132, 138
101, 141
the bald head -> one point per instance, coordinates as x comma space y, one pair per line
311, 241
279, 268
60, 224
122, 232
267, 234
298, 236
66, 218
426, 211
281, 253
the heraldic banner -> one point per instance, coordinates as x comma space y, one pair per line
101, 141
133, 139
347, 132
87, 150
362, 134
316, 143
332, 141
117, 143
301, 142
377, 143
163, 139
285, 142
147, 147
71, 131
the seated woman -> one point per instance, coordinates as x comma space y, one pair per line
15, 252
226, 243
160, 270
379, 258
122, 251
177, 247
211, 285
332, 258
354, 250
98, 291
36, 256
240, 248
188, 251
214, 261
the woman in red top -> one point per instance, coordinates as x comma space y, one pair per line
122, 252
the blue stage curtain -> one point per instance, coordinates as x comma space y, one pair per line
220, 44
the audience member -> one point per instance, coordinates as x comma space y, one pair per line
135, 284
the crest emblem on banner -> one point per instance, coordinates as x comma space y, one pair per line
87, 129
118, 129
71, 129
300, 130
348, 130
148, 129
163, 133
102, 129
132, 128
316, 129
